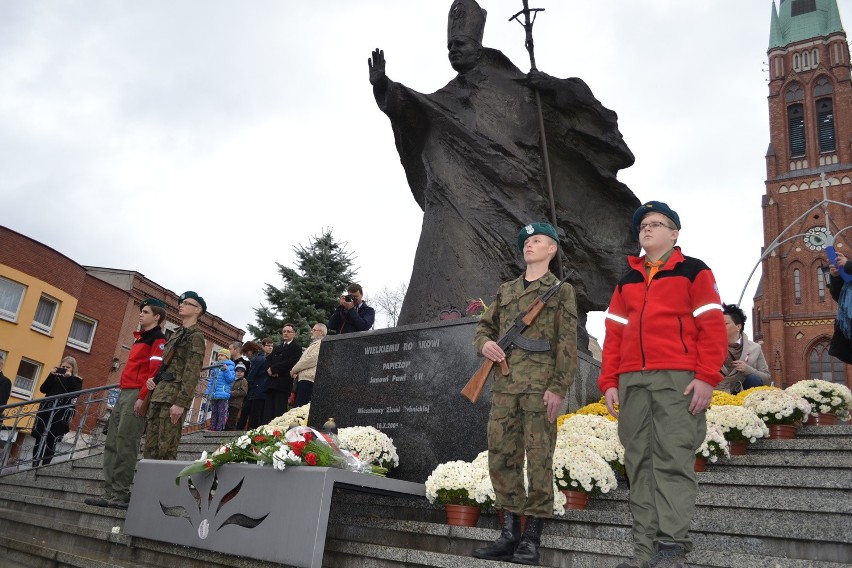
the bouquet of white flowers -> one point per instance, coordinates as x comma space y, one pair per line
370, 445
580, 469
777, 406
737, 423
714, 445
825, 397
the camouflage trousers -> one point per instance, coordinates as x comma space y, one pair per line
162, 437
121, 449
518, 426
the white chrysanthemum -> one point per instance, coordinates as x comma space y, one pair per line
370, 444
610, 449
242, 442
590, 425
777, 406
737, 422
454, 475
714, 444
825, 396
581, 469
294, 415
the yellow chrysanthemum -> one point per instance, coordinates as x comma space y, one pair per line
722, 398
597, 409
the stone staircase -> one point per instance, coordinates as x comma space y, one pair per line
787, 503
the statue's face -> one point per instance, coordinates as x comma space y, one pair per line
463, 53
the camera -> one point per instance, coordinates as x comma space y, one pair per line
348, 298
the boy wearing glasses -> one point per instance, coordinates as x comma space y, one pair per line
665, 343
173, 393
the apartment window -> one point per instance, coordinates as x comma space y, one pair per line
82, 333
797, 286
11, 296
796, 128
45, 314
25, 378
824, 366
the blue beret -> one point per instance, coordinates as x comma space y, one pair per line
653, 207
196, 297
536, 229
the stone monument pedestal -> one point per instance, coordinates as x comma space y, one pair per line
406, 381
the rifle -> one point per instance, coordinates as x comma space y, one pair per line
167, 359
513, 338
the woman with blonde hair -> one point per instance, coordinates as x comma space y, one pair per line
55, 414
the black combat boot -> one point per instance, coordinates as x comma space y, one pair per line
504, 546
527, 550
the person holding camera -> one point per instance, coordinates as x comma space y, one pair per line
126, 421
353, 314
174, 386
54, 415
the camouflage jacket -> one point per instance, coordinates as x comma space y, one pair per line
533, 372
186, 366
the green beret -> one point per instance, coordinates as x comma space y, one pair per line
536, 229
653, 207
194, 296
152, 302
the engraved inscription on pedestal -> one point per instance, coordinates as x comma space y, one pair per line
405, 381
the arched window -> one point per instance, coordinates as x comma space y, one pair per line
796, 127
823, 87
823, 366
797, 65
825, 125
797, 286
794, 93
806, 60
820, 284
815, 57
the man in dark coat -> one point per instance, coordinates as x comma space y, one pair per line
472, 155
279, 383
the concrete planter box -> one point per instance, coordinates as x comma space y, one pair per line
244, 509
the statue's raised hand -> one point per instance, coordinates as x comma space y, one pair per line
377, 68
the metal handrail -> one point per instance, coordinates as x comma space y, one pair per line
87, 428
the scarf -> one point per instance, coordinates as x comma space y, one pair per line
844, 310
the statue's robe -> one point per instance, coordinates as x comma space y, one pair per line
472, 155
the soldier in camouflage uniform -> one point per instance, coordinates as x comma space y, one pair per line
526, 402
173, 394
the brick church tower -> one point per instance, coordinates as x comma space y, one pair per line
810, 133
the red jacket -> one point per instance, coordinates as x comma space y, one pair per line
673, 323
144, 360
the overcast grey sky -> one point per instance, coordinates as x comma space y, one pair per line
198, 141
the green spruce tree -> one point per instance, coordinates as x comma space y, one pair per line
311, 292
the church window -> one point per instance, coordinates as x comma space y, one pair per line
825, 125
797, 286
794, 93
824, 366
820, 284
823, 87
796, 128
797, 62
802, 7
815, 58
806, 60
